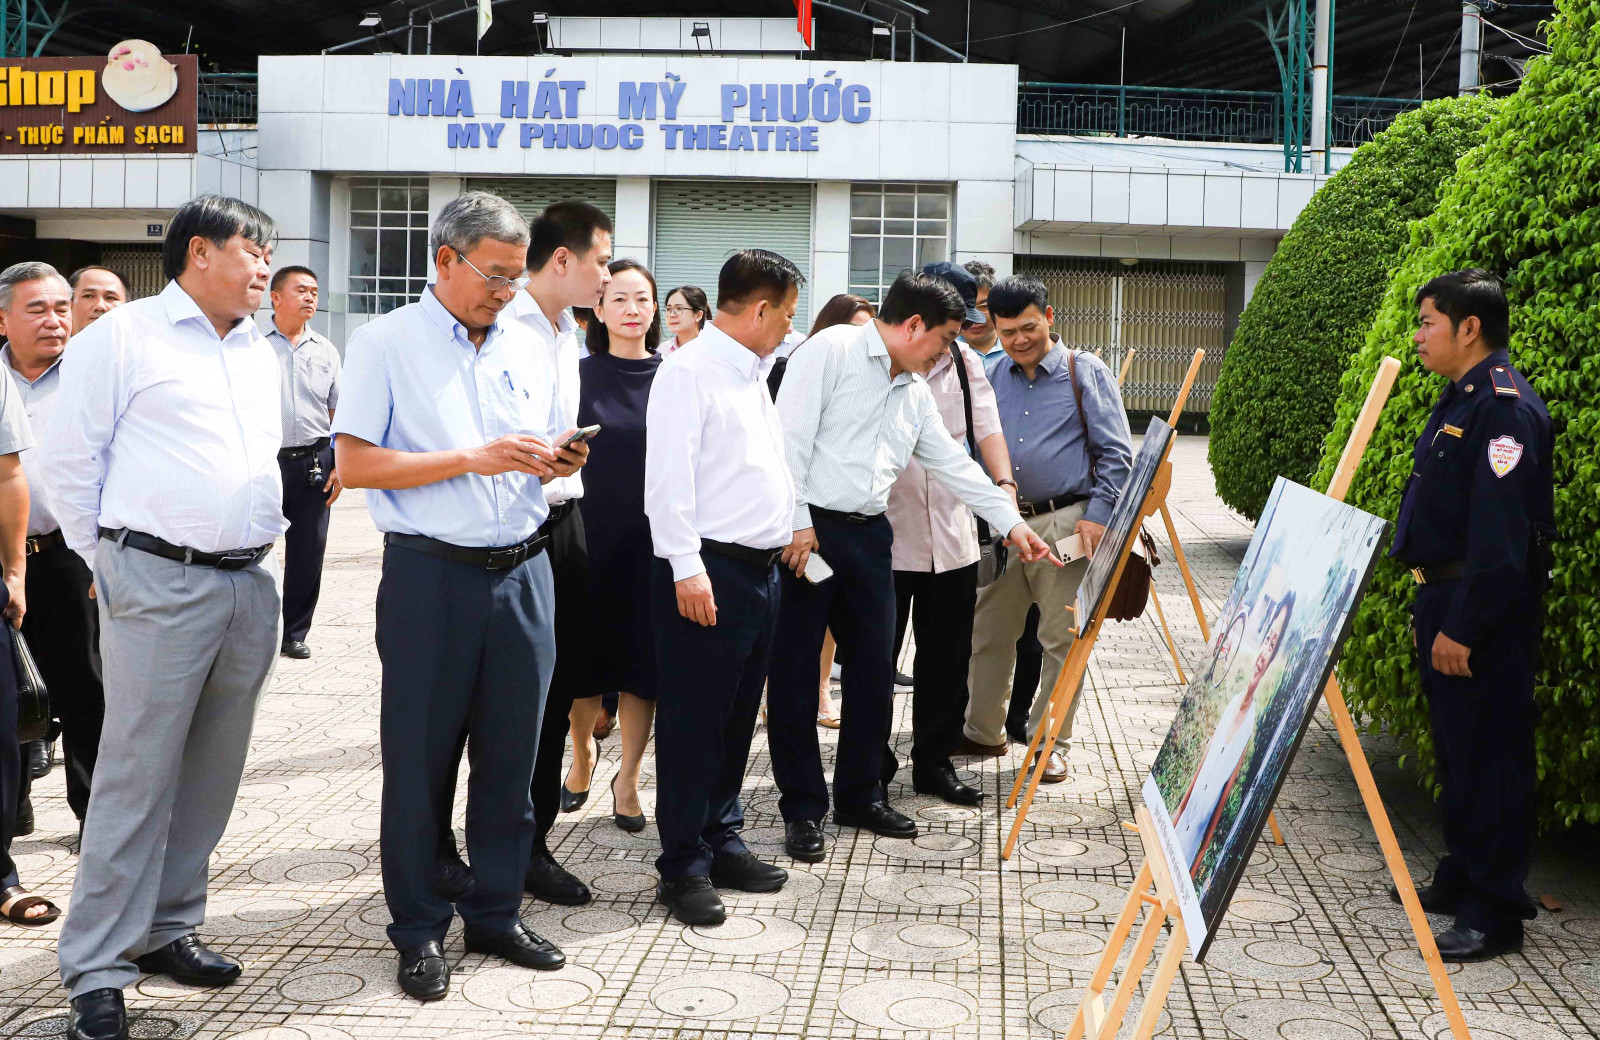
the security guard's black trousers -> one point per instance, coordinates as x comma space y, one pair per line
709, 687
1483, 736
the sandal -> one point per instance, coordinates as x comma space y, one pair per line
15, 902
827, 721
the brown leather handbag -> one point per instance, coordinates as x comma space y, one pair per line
1132, 594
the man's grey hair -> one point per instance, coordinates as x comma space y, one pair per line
27, 271
982, 273
474, 216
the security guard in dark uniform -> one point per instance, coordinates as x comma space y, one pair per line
1475, 523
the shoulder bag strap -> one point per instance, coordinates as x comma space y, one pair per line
1077, 398
966, 403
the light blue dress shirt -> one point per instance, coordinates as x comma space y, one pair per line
1040, 417
413, 382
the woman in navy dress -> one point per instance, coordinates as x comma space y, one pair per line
614, 390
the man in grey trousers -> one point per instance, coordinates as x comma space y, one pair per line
161, 462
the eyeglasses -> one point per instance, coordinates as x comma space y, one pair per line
496, 281
675, 309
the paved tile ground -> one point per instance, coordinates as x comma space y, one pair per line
892, 939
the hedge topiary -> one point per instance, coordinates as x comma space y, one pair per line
1280, 377
1526, 204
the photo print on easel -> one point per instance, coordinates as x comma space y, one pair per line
1123, 526
1277, 638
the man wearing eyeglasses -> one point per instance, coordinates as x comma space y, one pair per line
449, 416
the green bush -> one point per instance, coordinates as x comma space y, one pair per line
1310, 311
1523, 204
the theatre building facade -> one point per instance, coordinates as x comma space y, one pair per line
854, 170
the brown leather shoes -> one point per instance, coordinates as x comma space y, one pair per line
1055, 770
968, 746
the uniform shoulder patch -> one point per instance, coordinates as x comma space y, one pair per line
1504, 454
1504, 384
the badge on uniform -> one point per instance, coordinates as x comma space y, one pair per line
1504, 454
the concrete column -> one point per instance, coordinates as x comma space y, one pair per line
632, 237
1471, 50
300, 201
1319, 86
441, 192
830, 247
983, 228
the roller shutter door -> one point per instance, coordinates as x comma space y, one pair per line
140, 265
532, 194
699, 224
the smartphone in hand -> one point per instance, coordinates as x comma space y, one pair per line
817, 570
579, 436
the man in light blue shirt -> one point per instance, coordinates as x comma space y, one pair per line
449, 416
1070, 456
982, 338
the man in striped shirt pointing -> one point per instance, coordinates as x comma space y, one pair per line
856, 409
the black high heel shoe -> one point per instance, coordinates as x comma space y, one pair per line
631, 824
572, 801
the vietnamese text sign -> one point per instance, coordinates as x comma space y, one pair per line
134, 100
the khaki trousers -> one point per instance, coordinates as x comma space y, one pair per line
1002, 612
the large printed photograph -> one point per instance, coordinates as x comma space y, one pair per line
1125, 516
1241, 719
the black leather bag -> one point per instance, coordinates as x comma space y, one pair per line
33, 700
992, 555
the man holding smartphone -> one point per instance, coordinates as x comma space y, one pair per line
856, 410
719, 498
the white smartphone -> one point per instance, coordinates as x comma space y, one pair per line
817, 570
1070, 548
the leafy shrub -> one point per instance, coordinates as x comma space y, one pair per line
1310, 311
1526, 204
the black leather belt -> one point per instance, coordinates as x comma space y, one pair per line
490, 558
1437, 573
854, 519
38, 543
1049, 505
304, 450
743, 553
559, 512
233, 560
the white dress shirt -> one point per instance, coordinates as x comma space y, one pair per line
414, 382
308, 382
560, 342
162, 427
714, 464
850, 430
38, 400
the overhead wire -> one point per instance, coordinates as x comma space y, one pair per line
1058, 25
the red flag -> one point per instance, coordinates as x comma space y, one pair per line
803, 7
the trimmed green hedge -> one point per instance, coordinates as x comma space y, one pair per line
1310, 311
1526, 204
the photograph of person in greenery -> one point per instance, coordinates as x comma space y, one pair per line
1235, 732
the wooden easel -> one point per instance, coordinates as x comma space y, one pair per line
1095, 1022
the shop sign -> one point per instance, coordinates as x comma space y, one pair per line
133, 101
756, 117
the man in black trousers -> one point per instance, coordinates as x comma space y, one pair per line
308, 386
856, 409
62, 627
719, 498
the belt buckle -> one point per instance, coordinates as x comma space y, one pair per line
1418, 577
30, 546
237, 559
507, 555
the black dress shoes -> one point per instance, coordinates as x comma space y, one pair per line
423, 972
187, 960
1462, 945
98, 1015
39, 756
943, 783
455, 880
746, 873
1434, 900
803, 840
520, 946
550, 881
296, 649
24, 818
878, 818
692, 900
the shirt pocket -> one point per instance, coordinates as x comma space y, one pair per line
899, 438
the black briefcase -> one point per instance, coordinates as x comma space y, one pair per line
33, 700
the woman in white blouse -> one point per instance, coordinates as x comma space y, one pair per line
687, 310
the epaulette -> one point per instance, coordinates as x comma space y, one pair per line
1504, 385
